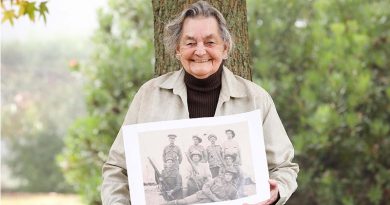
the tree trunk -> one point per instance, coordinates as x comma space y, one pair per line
234, 12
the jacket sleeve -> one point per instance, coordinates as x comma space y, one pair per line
279, 151
115, 188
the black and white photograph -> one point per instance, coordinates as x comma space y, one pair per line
201, 161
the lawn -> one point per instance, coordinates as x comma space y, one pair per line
39, 199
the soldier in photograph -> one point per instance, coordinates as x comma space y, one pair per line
172, 151
231, 146
240, 179
197, 146
196, 174
171, 181
214, 156
221, 188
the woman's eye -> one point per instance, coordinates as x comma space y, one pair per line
190, 44
210, 43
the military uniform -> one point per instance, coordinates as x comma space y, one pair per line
196, 180
214, 155
239, 180
174, 152
199, 148
217, 189
220, 188
231, 147
172, 184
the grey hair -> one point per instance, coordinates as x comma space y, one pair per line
173, 29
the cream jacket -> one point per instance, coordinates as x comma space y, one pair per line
165, 98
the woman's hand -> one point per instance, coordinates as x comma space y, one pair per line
274, 194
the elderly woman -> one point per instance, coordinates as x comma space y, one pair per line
200, 40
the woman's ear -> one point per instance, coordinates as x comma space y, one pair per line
178, 55
225, 51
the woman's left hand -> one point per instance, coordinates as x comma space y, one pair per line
274, 194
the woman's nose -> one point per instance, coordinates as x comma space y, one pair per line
200, 49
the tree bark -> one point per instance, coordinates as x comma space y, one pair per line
235, 14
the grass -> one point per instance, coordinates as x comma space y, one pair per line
39, 199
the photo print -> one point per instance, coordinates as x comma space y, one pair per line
197, 161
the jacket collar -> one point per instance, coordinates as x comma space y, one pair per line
231, 87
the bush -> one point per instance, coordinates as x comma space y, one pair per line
36, 115
325, 64
121, 62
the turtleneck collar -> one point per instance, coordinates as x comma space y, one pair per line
203, 85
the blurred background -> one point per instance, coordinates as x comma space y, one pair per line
66, 85
42, 94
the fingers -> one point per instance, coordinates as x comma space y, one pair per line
274, 191
272, 183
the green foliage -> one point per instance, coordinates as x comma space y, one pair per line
26, 8
84, 147
34, 164
122, 61
327, 65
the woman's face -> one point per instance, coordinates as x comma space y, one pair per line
201, 48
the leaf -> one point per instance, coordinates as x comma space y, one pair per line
347, 200
388, 92
352, 119
22, 8
9, 15
337, 28
375, 194
30, 10
43, 10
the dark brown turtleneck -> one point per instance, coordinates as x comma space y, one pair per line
203, 94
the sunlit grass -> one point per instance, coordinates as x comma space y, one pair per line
39, 199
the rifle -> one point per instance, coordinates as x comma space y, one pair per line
195, 172
157, 176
